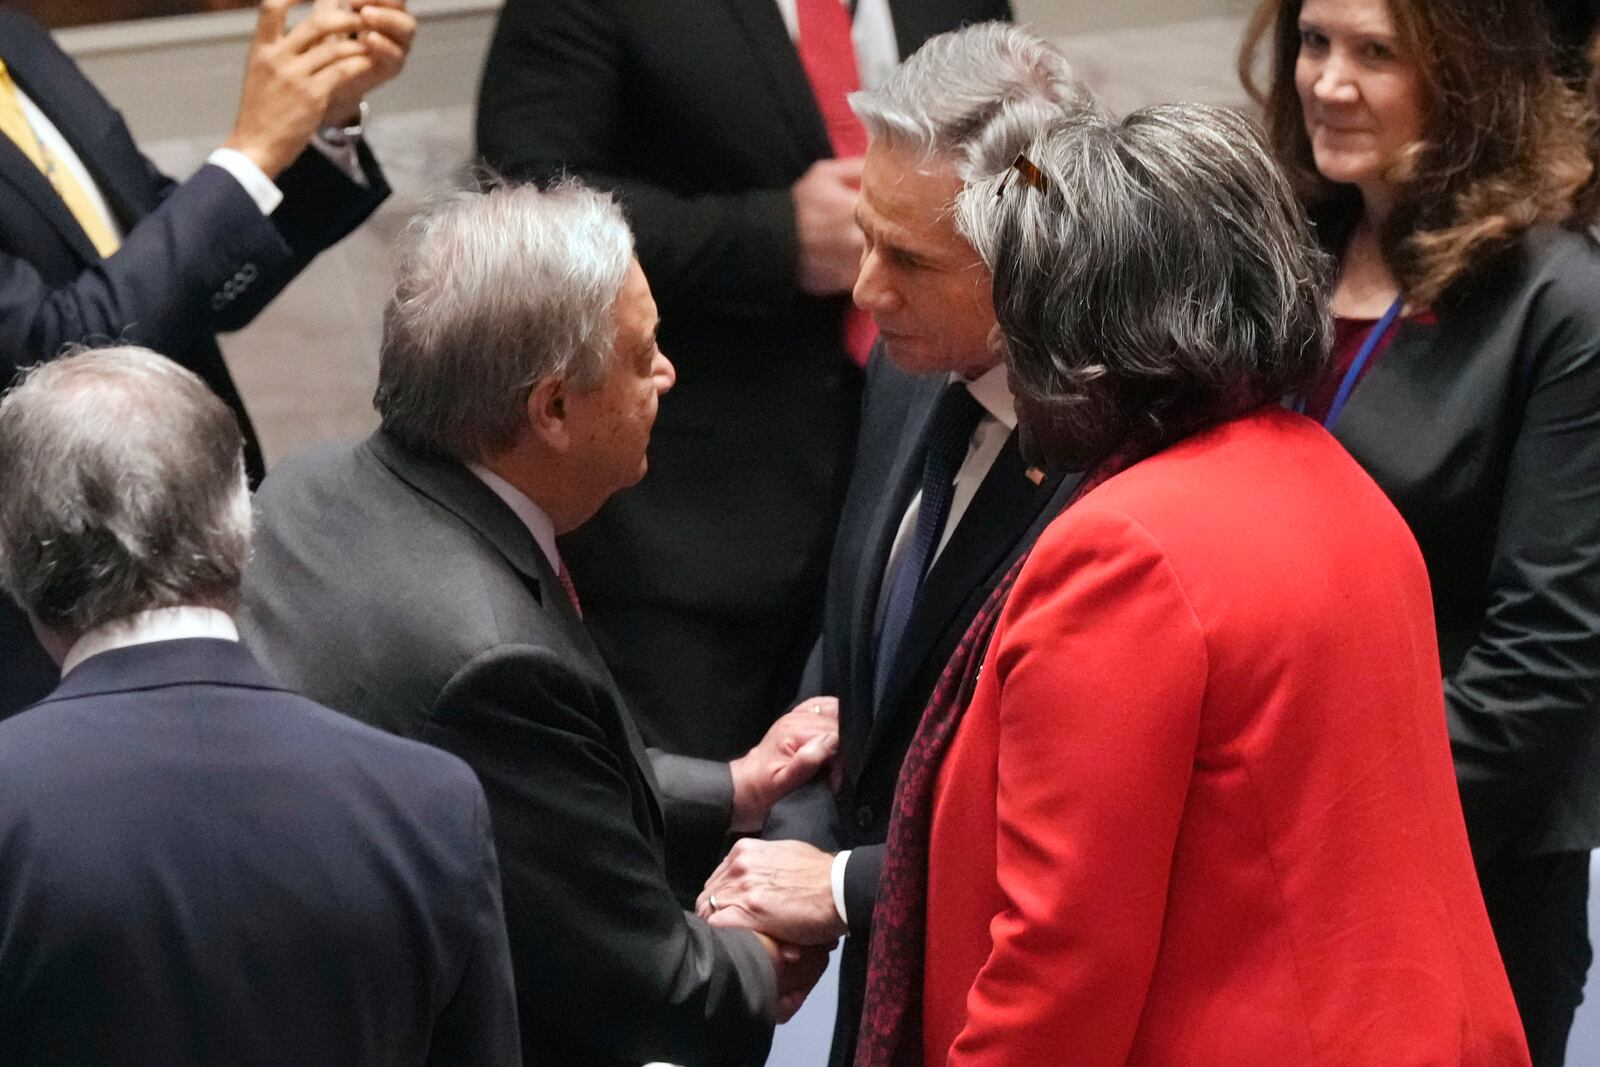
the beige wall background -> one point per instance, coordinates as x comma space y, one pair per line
179, 76
1063, 17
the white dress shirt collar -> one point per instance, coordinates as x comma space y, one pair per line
992, 389
147, 627
531, 514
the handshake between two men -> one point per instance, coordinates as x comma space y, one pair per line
783, 890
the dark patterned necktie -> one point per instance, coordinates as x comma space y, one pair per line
949, 433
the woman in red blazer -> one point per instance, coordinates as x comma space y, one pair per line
1200, 808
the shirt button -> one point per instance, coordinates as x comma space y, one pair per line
864, 816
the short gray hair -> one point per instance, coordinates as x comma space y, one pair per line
496, 290
975, 96
122, 489
1158, 276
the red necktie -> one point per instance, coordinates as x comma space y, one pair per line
829, 58
565, 577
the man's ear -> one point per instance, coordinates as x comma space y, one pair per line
547, 413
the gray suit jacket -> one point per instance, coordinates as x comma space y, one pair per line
395, 587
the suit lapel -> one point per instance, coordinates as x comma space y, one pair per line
31, 186
456, 489
73, 107
453, 487
1005, 507
905, 474
1365, 431
775, 52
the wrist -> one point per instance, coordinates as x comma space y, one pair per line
342, 130
750, 805
266, 160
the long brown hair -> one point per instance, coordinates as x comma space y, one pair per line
1508, 144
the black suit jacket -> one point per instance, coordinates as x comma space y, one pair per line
202, 868
702, 583
397, 588
197, 258
1484, 429
1004, 518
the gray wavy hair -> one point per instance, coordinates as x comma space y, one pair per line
122, 489
975, 96
496, 290
1157, 276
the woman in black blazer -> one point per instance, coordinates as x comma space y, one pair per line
1443, 162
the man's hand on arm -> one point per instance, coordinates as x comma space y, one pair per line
825, 223
781, 888
795, 748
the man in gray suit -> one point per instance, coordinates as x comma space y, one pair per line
413, 581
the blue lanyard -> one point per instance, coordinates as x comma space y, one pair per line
1370, 345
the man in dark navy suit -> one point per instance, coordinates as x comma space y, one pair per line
198, 867
96, 245
940, 503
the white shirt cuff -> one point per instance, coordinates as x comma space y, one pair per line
260, 187
836, 877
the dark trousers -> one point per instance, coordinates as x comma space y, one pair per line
1539, 907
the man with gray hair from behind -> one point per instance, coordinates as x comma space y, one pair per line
940, 502
196, 866
413, 580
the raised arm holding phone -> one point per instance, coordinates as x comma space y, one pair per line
96, 244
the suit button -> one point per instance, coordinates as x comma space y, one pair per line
864, 816
247, 273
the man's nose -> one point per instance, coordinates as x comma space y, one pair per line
871, 294
662, 370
